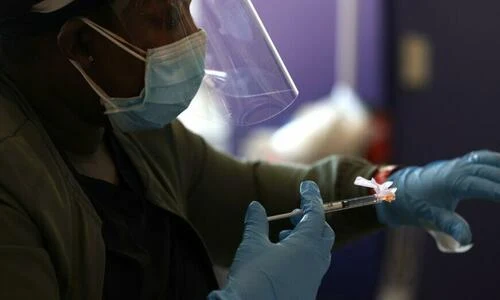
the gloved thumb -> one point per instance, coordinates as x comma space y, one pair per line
284, 234
296, 218
452, 224
256, 224
312, 206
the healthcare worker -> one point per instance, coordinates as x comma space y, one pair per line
104, 195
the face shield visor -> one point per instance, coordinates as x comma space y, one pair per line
232, 59
246, 81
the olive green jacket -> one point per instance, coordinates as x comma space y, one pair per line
51, 246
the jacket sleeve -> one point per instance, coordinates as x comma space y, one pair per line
222, 188
26, 270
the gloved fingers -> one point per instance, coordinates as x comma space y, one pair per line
284, 234
484, 157
256, 225
451, 223
484, 171
328, 232
311, 201
312, 205
328, 236
475, 187
296, 219
422, 209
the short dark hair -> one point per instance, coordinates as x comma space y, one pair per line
21, 21
20, 51
19, 27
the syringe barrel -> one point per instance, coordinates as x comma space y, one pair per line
350, 203
334, 206
361, 201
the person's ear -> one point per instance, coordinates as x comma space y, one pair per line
74, 40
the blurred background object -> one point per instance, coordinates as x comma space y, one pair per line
209, 124
338, 123
394, 81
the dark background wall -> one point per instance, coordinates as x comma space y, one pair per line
457, 113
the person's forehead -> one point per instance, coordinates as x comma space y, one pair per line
143, 12
145, 5
152, 23
47, 6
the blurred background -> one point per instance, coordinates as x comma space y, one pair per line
394, 81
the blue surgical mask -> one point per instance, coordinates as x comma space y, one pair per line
173, 75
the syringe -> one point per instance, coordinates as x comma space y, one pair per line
336, 206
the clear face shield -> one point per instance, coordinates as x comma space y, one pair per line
232, 59
245, 75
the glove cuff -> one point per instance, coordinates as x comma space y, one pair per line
228, 293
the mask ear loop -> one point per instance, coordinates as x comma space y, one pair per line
121, 43
97, 89
117, 40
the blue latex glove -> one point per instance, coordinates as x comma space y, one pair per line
428, 196
290, 269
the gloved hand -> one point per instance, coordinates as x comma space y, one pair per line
428, 196
290, 269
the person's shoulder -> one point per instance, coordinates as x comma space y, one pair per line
26, 157
12, 117
172, 136
172, 143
